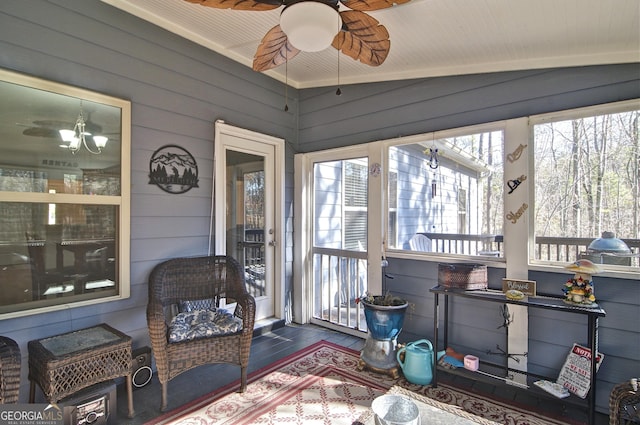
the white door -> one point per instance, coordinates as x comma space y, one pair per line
246, 208
339, 194
339, 244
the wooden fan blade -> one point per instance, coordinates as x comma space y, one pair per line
364, 5
239, 4
364, 39
41, 132
274, 50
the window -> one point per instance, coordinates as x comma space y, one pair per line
64, 198
586, 187
450, 190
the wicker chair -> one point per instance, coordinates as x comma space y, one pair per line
189, 279
624, 405
10, 360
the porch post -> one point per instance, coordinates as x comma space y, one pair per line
517, 164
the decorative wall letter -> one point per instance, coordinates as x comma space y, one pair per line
514, 217
513, 157
513, 184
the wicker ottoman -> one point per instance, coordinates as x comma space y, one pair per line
64, 364
10, 360
624, 403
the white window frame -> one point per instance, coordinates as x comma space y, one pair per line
122, 202
607, 108
384, 146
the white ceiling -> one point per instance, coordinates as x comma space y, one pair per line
428, 37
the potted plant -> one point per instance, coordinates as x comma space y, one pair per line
384, 315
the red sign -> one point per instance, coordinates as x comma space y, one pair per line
575, 374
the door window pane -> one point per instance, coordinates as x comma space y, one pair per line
254, 232
341, 204
246, 217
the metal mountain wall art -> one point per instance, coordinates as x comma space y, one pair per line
173, 169
360, 36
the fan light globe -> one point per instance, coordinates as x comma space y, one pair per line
310, 26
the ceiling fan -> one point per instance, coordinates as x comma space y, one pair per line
45, 128
313, 25
51, 128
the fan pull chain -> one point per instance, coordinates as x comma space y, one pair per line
286, 82
338, 92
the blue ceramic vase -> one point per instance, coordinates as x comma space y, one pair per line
384, 321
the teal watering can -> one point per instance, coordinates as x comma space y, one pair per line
417, 366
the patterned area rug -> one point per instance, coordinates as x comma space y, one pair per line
321, 385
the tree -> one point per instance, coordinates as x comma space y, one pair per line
588, 176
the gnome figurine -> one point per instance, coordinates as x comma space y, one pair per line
579, 289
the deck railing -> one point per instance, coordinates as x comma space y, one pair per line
546, 248
340, 276
458, 243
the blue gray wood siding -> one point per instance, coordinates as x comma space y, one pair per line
178, 90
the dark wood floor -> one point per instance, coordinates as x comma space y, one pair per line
275, 344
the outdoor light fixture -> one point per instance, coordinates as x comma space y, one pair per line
310, 26
78, 137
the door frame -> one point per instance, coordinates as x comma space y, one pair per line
303, 229
218, 215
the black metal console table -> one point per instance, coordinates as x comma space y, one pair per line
543, 302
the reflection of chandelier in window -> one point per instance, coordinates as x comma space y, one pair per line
78, 137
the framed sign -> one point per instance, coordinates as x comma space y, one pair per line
527, 287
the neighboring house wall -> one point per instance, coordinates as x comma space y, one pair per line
177, 90
420, 212
383, 111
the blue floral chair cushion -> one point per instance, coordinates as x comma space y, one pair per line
192, 305
202, 324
